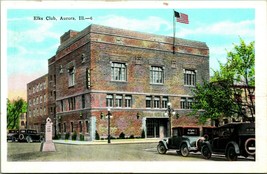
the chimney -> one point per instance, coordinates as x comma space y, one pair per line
67, 35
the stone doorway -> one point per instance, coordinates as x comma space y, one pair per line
156, 127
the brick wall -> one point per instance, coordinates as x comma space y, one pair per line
89, 56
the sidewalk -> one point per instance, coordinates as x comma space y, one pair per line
113, 141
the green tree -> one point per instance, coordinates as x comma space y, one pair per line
14, 109
217, 98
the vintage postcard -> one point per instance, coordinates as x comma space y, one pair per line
133, 86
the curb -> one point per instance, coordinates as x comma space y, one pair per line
101, 142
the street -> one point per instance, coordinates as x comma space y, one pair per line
103, 152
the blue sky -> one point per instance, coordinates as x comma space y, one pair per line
30, 43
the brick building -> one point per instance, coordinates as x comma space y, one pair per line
37, 93
135, 74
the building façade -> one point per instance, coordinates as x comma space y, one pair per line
134, 74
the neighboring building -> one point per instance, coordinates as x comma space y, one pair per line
22, 121
245, 98
135, 74
37, 94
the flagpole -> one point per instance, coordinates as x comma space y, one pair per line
173, 33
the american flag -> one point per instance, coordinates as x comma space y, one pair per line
181, 17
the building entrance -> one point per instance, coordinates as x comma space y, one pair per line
156, 127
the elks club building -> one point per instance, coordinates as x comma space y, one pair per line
134, 74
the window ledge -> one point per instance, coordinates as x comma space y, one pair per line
120, 81
159, 84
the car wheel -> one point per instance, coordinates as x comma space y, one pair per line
161, 148
230, 154
205, 152
13, 139
21, 137
28, 139
184, 150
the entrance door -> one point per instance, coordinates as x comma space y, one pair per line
156, 127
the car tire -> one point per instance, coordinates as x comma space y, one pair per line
247, 143
184, 150
231, 154
28, 139
205, 152
21, 137
161, 148
13, 139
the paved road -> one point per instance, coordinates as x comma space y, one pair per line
99, 152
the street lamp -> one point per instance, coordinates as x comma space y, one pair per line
109, 115
169, 112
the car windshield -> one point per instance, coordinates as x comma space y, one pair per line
12, 131
191, 131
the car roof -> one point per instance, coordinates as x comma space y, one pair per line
234, 124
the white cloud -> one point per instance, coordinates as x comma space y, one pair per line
38, 33
151, 24
224, 28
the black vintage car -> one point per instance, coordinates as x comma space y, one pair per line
232, 140
184, 140
29, 136
12, 135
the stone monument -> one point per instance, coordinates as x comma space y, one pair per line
48, 145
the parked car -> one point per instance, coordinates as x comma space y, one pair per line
29, 136
12, 135
232, 140
184, 140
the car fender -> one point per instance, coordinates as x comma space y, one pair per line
164, 142
207, 143
232, 143
185, 142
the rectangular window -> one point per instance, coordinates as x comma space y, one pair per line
190, 77
88, 78
72, 103
64, 127
186, 103
164, 102
61, 105
71, 126
87, 126
59, 127
183, 103
189, 103
156, 102
80, 126
148, 101
118, 101
71, 73
128, 101
83, 101
109, 100
156, 75
45, 111
118, 72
